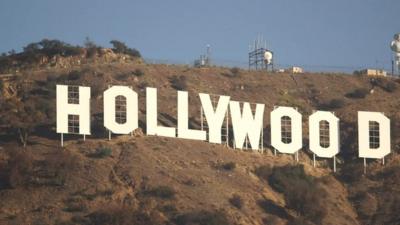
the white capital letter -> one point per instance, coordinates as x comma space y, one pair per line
332, 132
131, 98
293, 143
151, 116
373, 135
215, 118
247, 125
64, 109
183, 119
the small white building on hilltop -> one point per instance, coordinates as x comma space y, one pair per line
373, 72
294, 69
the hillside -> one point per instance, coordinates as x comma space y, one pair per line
143, 179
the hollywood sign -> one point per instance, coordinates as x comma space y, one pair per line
286, 122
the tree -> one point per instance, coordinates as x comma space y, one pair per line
91, 47
51, 47
89, 43
12, 52
32, 47
22, 115
120, 47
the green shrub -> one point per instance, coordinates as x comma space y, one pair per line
169, 210
143, 85
358, 93
202, 218
351, 172
75, 207
228, 166
122, 76
334, 104
55, 170
92, 52
235, 71
138, 72
120, 47
285, 177
163, 192
179, 83
74, 75
390, 87
236, 201
92, 49
300, 190
299, 221
120, 215
50, 48
386, 85
20, 167
263, 172
272, 208
51, 78
101, 153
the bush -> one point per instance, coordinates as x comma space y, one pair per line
390, 87
235, 71
51, 48
358, 93
351, 172
51, 78
54, 171
92, 52
60, 167
33, 53
334, 104
368, 205
101, 153
285, 177
91, 48
138, 72
300, 191
179, 83
228, 166
74, 75
20, 167
120, 215
272, 208
143, 85
120, 47
263, 172
122, 76
202, 218
236, 201
75, 205
299, 221
386, 85
163, 192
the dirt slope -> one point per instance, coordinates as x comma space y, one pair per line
155, 180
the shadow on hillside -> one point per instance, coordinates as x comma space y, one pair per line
271, 208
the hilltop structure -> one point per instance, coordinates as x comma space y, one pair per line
395, 46
294, 69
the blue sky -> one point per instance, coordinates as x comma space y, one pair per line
344, 33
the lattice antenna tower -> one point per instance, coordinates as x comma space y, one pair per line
260, 58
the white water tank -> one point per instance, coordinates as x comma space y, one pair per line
268, 57
395, 46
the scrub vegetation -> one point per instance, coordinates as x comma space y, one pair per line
139, 179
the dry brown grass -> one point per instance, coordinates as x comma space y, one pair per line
45, 177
